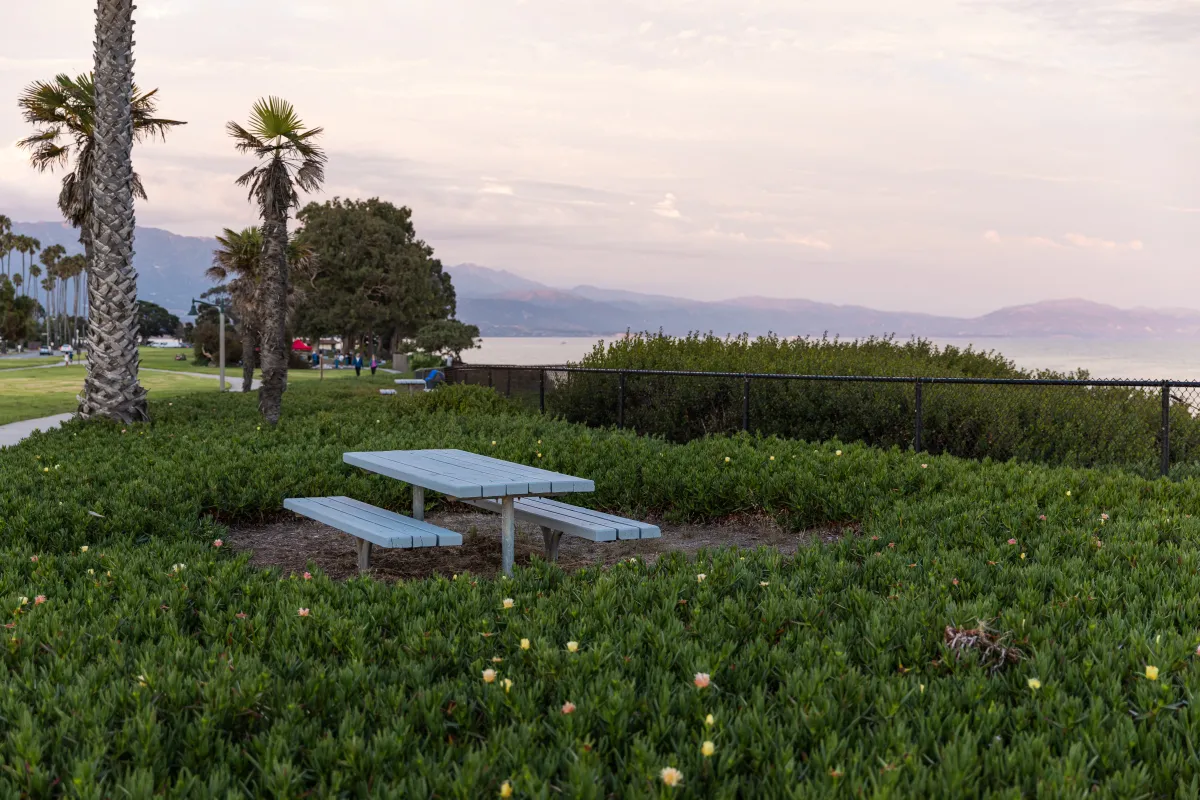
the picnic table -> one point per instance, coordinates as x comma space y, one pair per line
471, 477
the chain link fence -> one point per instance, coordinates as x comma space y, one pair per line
1150, 426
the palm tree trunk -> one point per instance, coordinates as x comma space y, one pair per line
274, 314
112, 389
249, 342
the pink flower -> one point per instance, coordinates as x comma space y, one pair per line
702, 680
568, 707
241, 615
1012, 541
955, 581
304, 612
33, 559
1042, 517
41, 598
308, 576
218, 543
1104, 517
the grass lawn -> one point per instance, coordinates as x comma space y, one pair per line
164, 358
979, 629
25, 363
43, 392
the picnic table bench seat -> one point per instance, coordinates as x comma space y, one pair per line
556, 518
370, 525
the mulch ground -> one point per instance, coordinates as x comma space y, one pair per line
295, 544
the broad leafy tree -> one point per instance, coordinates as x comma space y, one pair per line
374, 279
447, 337
289, 158
154, 320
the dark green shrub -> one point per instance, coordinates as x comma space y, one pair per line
1051, 424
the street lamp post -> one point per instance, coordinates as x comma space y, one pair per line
220, 307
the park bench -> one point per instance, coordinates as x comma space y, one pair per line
556, 518
371, 526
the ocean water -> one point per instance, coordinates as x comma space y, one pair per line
1134, 359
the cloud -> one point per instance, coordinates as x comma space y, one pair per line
1072, 239
666, 207
1090, 242
801, 241
645, 27
490, 187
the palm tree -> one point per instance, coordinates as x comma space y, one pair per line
111, 388
35, 272
63, 111
237, 266
6, 241
289, 157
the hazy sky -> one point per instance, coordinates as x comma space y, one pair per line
929, 155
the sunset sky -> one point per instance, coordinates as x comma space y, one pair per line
930, 155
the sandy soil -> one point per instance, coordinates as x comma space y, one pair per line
294, 543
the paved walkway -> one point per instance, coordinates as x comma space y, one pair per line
14, 432
235, 383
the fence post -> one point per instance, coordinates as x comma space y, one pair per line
919, 422
542, 392
1165, 467
621, 401
746, 403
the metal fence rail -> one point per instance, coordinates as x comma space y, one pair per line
1083, 422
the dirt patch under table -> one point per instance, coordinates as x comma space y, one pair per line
293, 543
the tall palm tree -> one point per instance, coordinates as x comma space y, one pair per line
6, 241
237, 266
35, 272
289, 156
111, 388
63, 111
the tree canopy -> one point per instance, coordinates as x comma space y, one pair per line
154, 320
447, 337
373, 277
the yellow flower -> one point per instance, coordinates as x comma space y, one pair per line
524, 644
83, 549
91, 572
1068, 492
707, 749
763, 583
726, 461
1022, 555
572, 647
506, 789
922, 687
489, 676
1151, 673
23, 601
507, 684
709, 721
671, 776
496, 659
45, 469
508, 602
837, 452
700, 578
772, 458
539, 455
493, 443
1034, 684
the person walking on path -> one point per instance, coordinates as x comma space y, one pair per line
374, 364
357, 364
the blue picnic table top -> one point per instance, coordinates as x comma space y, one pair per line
458, 473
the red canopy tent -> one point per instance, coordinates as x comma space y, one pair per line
299, 345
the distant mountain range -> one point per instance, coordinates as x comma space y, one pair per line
170, 267
504, 304
171, 272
